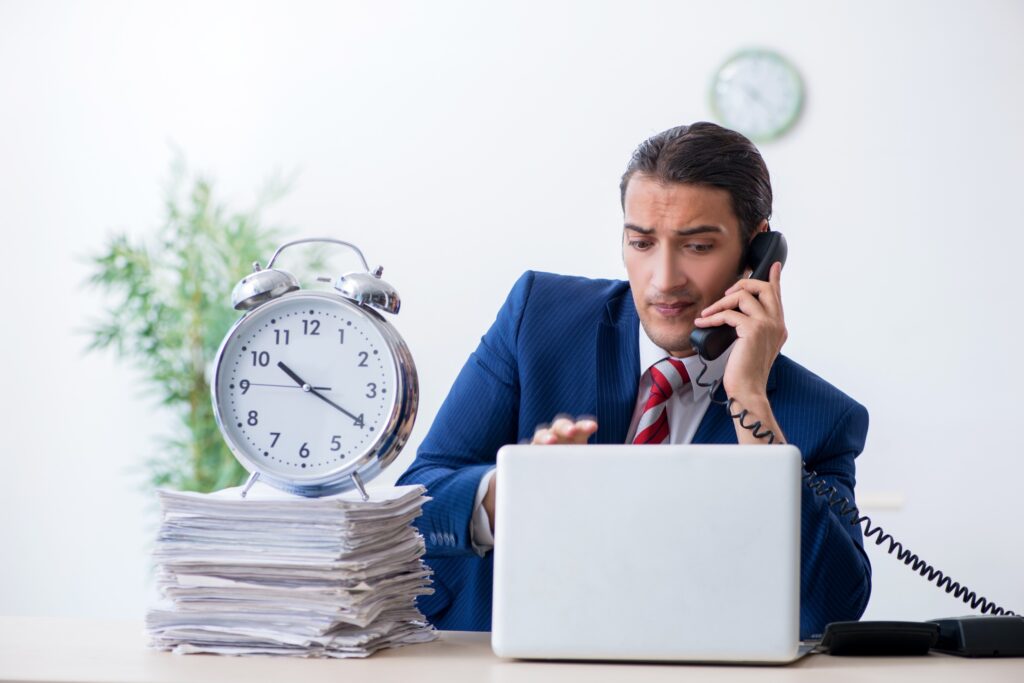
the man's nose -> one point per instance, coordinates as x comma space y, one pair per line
668, 273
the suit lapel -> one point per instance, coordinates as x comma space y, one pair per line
717, 426
618, 369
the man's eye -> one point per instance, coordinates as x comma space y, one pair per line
700, 248
639, 244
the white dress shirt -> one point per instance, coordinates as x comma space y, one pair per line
685, 410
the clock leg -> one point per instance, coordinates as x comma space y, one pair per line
248, 484
357, 480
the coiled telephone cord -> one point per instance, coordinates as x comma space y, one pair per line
844, 509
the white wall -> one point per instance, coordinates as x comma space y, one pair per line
462, 143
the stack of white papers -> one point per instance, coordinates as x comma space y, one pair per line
274, 573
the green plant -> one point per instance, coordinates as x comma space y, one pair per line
171, 310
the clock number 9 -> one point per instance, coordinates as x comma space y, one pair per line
244, 386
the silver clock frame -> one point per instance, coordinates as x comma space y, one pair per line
357, 292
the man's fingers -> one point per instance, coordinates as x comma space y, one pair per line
742, 299
775, 277
730, 317
584, 428
767, 293
565, 430
564, 427
544, 437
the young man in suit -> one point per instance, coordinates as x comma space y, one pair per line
693, 198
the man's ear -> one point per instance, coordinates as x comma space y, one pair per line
761, 227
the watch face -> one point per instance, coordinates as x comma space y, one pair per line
305, 385
757, 93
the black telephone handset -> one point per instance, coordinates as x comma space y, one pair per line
764, 250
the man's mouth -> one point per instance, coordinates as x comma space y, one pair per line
672, 309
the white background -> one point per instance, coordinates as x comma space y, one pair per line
462, 143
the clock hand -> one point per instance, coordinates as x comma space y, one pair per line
291, 373
753, 94
308, 389
285, 386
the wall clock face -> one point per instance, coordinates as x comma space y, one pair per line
757, 93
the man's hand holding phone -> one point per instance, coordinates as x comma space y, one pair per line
754, 308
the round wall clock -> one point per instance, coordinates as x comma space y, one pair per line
757, 93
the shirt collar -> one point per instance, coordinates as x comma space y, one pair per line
651, 353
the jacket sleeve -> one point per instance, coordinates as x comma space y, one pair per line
479, 416
836, 571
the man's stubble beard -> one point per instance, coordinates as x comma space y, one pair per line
669, 341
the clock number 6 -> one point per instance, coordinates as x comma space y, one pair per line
303, 451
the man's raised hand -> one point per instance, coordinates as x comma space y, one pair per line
565, 430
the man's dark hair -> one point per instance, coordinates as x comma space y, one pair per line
707, 154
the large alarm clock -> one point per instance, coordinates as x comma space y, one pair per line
315, 392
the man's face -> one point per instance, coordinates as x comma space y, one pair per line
681, 246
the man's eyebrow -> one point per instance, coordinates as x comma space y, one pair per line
682, 232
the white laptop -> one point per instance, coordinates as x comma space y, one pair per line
670, 553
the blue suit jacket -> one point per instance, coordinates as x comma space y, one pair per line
570, 345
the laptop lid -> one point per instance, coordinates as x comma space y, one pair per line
671, 552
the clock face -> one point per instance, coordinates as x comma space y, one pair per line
757, 93
305, 385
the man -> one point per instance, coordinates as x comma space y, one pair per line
618, 354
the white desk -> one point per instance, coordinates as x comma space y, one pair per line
45, 649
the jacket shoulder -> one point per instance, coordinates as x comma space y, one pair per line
792, 376
570, 297
800, 393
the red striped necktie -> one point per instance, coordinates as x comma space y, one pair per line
667, 377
